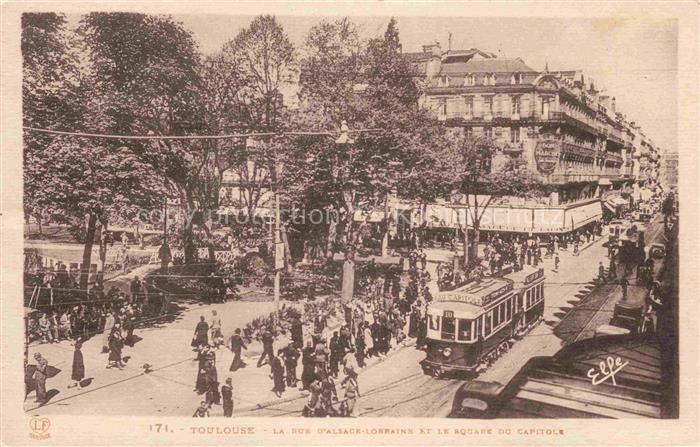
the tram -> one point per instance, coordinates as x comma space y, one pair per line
470, 327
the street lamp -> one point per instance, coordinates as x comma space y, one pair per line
348, 281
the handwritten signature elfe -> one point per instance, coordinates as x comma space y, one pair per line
608, 369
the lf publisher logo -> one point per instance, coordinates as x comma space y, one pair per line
39, 428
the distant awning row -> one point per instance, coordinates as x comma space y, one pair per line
522, 219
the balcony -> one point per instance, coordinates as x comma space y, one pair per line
573, 122
615, 139
613, 157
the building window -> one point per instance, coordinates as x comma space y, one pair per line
516, 78
515, 105
469, 80
488, 132
491, 79
468, 131
488, 105
515, 135
469, 105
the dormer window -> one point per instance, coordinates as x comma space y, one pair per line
469, 80
490, 79
443, 81
516, 78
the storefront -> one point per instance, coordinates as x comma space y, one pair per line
535, 219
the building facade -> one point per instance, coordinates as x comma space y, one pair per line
670, 169
559, 123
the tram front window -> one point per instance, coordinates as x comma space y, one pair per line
448, 329
464, 332
434, 322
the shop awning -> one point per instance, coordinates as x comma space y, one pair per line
609, 206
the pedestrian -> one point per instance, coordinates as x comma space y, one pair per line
336, 354
268, 352
201, 334
313, 406
297, 332
116, 343
202, 411
350, 365
369, 340
135, 289
321, 357
40, 378
129, 325
556, 261
290, 354
211, 379
328, 395
612, 270
64, 328
601, 272
277, 375
237, 344
217, 338
45, 328
360, 345
78, 370
624, 283
308, 363
352, 392
200, 385
227, 397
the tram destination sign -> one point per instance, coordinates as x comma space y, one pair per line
534, 276
467, 297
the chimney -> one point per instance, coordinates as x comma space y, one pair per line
612, 105
433, 48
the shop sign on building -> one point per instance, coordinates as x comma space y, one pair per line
547, 155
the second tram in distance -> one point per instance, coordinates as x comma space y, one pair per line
470, 327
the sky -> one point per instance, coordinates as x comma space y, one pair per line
635, 61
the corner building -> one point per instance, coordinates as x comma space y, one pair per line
559, 123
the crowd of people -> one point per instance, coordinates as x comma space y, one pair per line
82, 315
327, 362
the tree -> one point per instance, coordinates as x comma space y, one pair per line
365, 84
466, 169
79, 181
148, 81
48, 86
266, 58
262, 58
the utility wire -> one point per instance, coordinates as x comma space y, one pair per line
188, 137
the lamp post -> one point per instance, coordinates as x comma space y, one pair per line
348, 281
279, 246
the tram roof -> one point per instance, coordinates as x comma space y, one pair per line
461, 310
477, 293
526, 276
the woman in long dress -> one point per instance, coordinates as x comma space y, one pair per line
277, 376
109, 325
116, 343
78, 371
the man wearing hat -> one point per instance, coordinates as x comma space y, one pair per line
290, 354
237, 344
227, 398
